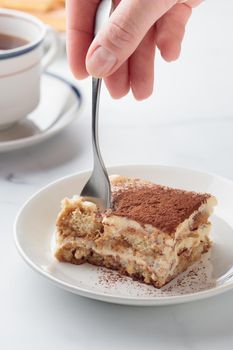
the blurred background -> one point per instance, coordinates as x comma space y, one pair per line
51, 12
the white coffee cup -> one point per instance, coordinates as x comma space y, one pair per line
21, 67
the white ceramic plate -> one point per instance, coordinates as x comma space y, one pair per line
59, 106
34, 236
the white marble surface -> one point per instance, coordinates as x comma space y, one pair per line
187, 122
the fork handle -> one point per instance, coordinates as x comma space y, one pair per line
102, 14
97, 158
96, 87
104, 9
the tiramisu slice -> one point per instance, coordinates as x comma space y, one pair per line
152, 233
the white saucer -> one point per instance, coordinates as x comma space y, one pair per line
34, 236
59, 106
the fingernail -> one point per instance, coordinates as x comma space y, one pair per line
101, 62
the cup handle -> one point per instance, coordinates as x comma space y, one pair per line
53, 41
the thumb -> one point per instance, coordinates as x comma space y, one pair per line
125, 30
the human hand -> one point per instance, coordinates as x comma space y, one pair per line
123, 51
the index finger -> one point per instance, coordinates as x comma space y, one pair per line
192, 3
80, 25
126, 28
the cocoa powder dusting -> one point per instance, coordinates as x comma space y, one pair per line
163, 207
195, 279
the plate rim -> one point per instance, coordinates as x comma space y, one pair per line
118, 299
8, 146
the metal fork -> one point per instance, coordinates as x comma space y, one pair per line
98, 189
